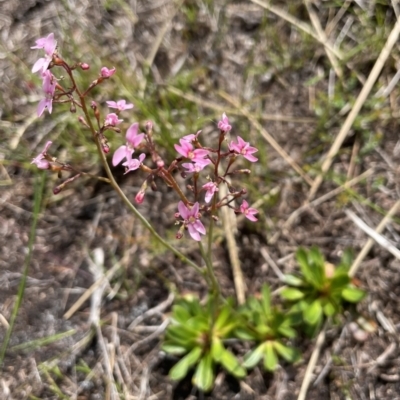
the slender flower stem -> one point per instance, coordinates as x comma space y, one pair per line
127, 202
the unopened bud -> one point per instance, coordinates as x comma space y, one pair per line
179, 235
83, 121
72, 109
160, 163
93, 105
139, 197
149, 127
153, 186
57, 189
84, 66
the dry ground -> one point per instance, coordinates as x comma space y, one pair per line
218, 56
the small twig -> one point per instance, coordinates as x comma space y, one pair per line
311, 364
89, 292
153, 311
378, 238
271, 263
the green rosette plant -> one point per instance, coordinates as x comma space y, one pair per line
268, 327
197, 332
321, 290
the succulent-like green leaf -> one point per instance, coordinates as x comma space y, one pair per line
292, 280
287, 331
290, 354
203, 377
270, 357
223, 318
181, 368
180, 314
266, 299
339, 281
353, 294
291, 294
217, 348
330, 309
252, 358
180, 335
245, 334
231, 364
313, 313
171, 348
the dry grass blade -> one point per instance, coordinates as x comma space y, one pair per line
311, 365
228, 222
376, 70
323, 39
298, 24
89, 292
367, 247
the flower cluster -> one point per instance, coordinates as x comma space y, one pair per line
192, 158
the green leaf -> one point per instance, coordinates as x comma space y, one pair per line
339, 281
245, 334
291, 294
302, 259
330, 309
313, 313
203, 377
222, 318
172, 348
231, 364
353, 294
292, 280
287, 331
270, 357
290, 354
252, 358
266, 299
180, 314
217, 348
180, 369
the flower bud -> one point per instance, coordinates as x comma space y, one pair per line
84, 66
139, 197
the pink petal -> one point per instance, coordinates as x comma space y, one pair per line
183, 210
119, 155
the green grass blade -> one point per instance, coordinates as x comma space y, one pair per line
39, 185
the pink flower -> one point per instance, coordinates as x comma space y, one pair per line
186, 149
49, 87
120, 105
211, 188
248, 211
40, 160
132, 140
112, 120
191, 220
133, 163
106, 73
49, 45
243, 148
192, 137
198, 166
223, 124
